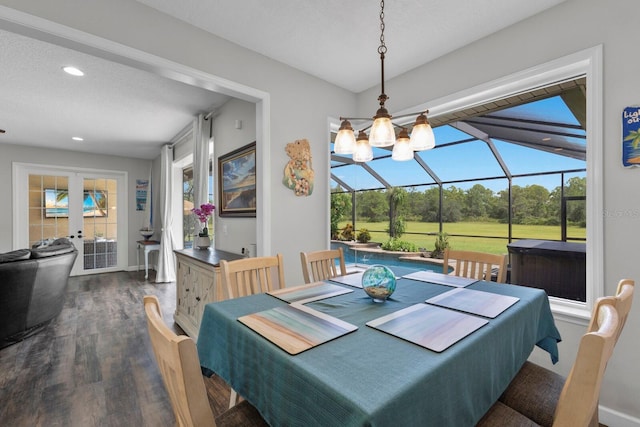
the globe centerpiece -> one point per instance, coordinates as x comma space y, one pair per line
379, 282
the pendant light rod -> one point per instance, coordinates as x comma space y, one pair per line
402, 116
382, 50
417, 113
355, 118
383, 96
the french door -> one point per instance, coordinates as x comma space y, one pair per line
81, 205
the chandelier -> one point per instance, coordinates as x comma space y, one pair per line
382, 130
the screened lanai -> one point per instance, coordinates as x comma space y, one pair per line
511, 169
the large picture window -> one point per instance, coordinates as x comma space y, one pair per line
515, 159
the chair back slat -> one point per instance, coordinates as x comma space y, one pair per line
250, 276
476, 265
324, 268
321, 265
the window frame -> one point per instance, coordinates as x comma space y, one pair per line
587, 63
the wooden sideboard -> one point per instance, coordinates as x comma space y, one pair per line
198, 283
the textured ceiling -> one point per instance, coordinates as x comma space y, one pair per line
337, 40
116, 109
125, 111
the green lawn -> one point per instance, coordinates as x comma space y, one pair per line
491, 245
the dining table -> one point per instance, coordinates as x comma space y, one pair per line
369, 377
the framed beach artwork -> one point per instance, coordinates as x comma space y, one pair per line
94, 203
237, 182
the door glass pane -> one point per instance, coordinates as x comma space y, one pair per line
48, 207
190, 224
100, 219
188, 219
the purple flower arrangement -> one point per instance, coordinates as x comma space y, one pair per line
203, 213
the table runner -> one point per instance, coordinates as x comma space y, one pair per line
369, 377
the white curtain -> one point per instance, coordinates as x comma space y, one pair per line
166, 260
200, 164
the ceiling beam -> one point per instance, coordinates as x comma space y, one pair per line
482, 136
342, 183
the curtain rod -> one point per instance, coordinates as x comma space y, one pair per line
176, 139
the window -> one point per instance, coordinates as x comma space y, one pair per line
189, 225
550, 116
189, 221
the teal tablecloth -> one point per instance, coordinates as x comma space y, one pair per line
370, 378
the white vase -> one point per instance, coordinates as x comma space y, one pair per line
202, 242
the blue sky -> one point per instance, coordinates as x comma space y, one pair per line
474, 159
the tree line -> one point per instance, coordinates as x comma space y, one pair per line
531, 205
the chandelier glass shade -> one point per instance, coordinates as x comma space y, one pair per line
362, 151
422, 137
382, 133
402, 150
345, 142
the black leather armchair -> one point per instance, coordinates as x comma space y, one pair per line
32, 288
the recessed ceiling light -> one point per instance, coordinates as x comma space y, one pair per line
546, 139
73, 71
77, 138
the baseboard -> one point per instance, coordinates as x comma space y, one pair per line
612, 418
140, 268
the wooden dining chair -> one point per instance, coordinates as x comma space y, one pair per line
548, 385
321, 265
250, 276
537, 398
179, 365
476, 265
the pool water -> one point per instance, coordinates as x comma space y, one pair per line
361, 258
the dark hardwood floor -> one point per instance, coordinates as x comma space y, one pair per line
94, 365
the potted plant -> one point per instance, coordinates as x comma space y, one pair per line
203, 213
363, 236
442, 243
347, 232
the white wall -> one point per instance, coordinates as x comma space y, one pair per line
136, 169
568, 28
233, 234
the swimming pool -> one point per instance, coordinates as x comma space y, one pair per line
361, 257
